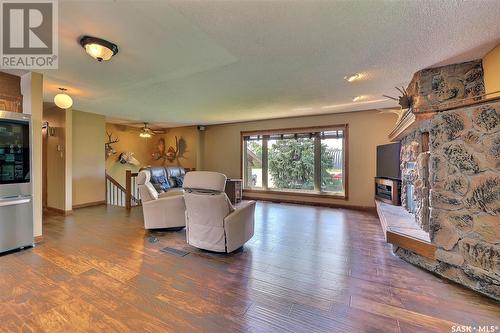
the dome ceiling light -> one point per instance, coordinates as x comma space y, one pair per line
63, 100
98, 48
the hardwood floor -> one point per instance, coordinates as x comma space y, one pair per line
307, 269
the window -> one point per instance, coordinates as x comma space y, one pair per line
309, 160
253, 161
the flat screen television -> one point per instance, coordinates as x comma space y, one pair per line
388, 165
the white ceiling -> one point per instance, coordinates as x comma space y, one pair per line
203, 62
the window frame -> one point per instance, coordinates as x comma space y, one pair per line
318, 193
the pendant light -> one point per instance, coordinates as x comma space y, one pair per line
63, 100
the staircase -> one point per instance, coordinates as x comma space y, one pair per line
118, 195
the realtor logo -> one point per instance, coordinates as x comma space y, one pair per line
29, 37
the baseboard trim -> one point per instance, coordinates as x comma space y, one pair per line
59, 211
90, 204
38, 239
319, 204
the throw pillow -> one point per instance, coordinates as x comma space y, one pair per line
179, 180
160, 183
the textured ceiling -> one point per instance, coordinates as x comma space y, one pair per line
204, 62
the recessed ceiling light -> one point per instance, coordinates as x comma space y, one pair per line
352, 77
98, 48
63, 100
356, 98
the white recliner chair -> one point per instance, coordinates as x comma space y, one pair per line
212, 223
165, 210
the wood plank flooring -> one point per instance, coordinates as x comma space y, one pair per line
307, 269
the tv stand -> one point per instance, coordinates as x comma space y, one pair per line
388, 190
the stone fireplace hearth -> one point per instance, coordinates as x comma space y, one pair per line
450, 163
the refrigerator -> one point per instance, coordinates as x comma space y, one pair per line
16, 202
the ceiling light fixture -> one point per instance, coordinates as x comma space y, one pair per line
356, 98
352, 77
98, 48
63, 100
146, 131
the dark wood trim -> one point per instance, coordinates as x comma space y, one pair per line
90, 204
345, 148
418, 246
406, 241
128, 189
325, 195
242, 164
346, 162
313, 203
60, 211
114, 182
293, 130
38, 239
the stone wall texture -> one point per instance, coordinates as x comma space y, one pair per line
446, 84
415, 171
462, 194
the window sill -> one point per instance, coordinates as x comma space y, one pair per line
329, 195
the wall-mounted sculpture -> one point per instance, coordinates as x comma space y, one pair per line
171, 154
405, 100
160, 150
108, 146
128, 158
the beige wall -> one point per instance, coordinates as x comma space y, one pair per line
144, 148
491, 66
222, 149
88, 164
56, 185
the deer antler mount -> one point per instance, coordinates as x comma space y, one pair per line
108, 145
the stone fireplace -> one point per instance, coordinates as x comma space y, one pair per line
450, 167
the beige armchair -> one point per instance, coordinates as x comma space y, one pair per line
165, 210
212, 223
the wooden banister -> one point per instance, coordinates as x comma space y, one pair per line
114, 182
119, 195
130, 189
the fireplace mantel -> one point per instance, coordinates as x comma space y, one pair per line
408, 123
413, 118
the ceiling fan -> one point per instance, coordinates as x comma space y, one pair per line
147, 131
